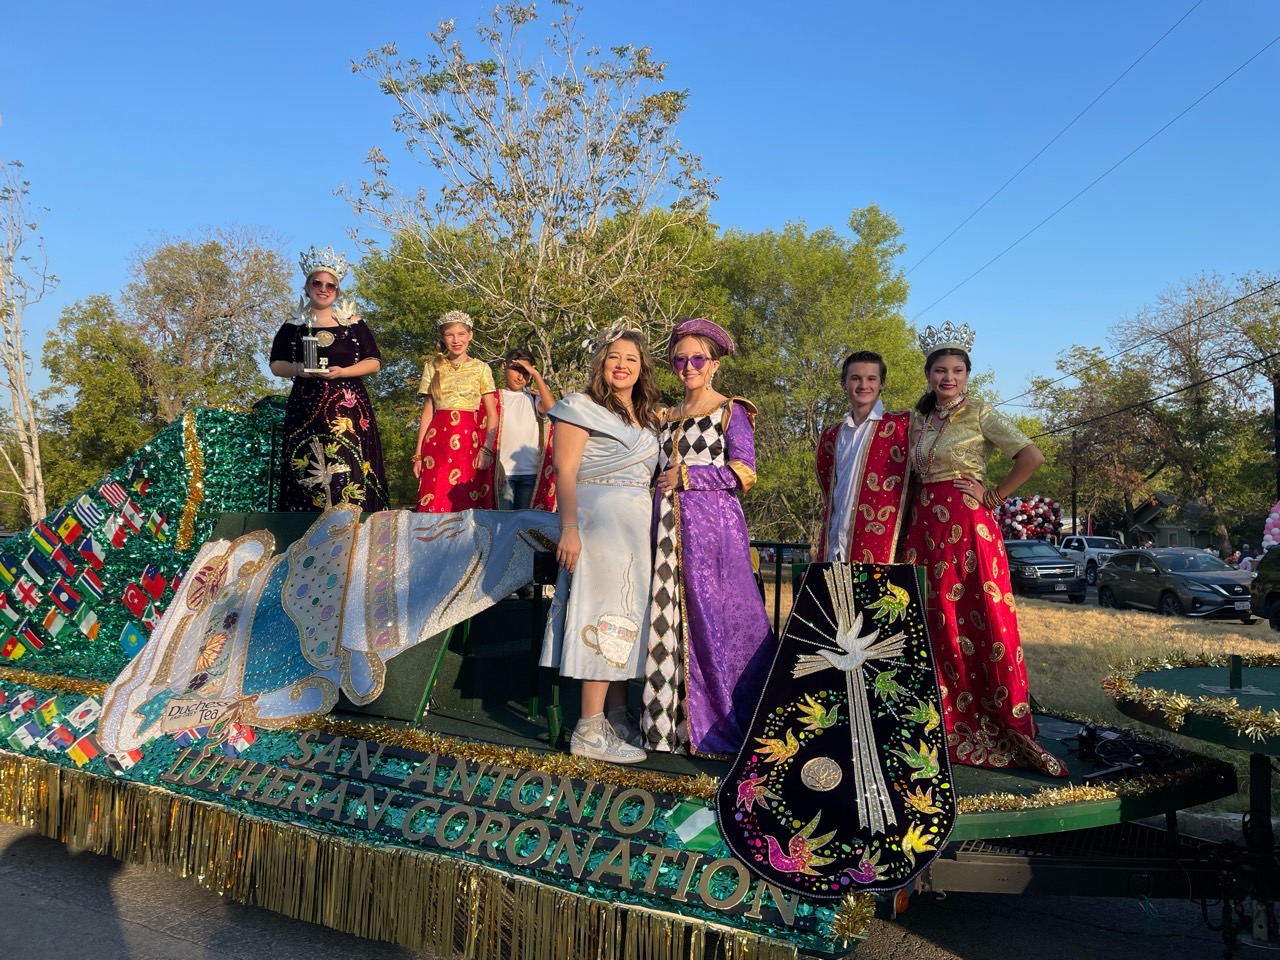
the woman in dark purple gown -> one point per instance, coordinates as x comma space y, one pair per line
332, 453
710, 643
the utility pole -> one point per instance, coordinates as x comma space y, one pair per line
1075, 510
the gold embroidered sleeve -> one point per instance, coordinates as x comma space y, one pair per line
1008, 439
746, 476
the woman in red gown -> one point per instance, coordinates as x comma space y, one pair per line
953, 534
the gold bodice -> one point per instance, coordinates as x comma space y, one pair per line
459, 389
964, 445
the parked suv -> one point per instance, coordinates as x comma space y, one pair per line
1037, 569
1090, 553
1266, 587
1176, 583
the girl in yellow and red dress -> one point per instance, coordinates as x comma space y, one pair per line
953, 534
454, 462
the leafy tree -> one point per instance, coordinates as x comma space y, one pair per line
562, 198
102, 379
1190, 338
1093, 417
1178, 409
24, 280
798, 303
208, 306
190, 330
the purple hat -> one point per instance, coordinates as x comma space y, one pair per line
701, 327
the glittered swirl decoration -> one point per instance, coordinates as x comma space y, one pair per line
264, 639
82, 589
844, 782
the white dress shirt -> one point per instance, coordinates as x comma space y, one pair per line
851, 446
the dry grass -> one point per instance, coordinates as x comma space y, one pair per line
1070, 648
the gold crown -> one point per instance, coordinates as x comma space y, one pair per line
947, 335
328, 260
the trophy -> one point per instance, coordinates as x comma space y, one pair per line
312, 362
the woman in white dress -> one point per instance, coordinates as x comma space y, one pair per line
605, 452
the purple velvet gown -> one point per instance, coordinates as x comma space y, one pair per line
710, 643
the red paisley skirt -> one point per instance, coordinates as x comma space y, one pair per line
449, 481
974, 629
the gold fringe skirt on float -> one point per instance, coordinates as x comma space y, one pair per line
406, 897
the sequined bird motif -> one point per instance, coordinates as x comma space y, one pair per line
924, 712
886, 687
893, 605
866, 871
775, 751
921, 800
916, 841
800, 856
750, 792
923, 762
815, 717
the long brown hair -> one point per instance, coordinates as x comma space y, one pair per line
644, 395
929, 402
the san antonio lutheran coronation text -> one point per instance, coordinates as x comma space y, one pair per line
524, 818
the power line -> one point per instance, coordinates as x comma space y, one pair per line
1142, 343
1099, 178
1055, 139
1163, 396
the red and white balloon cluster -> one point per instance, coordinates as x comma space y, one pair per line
1271, 529
1035, 518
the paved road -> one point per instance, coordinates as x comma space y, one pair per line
56, 904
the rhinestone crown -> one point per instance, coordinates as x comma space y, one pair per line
947, 335
328, 260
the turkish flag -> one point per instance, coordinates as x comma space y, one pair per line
135, 600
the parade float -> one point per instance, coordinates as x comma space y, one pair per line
341, 719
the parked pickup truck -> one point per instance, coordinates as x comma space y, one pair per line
1090, 553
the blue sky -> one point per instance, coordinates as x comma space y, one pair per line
136, 120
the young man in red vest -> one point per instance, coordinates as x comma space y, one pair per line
862, 467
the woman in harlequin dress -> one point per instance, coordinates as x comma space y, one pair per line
454, 462
710, 641
954, 535
332, 451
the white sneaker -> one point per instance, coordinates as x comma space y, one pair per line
594, 737
625, 727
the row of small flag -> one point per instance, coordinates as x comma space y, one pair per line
15, 644
51, 727
51, 549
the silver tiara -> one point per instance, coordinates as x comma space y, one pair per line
944, 336
456, 316
328, 260
616, 330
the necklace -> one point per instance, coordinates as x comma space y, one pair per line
679, 413
923, 461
